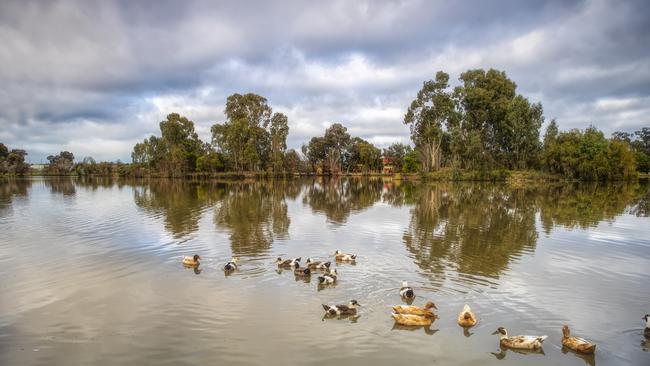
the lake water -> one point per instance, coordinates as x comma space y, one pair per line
90, 271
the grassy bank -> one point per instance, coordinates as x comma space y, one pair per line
442, 175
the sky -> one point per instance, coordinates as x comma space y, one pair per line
95, 77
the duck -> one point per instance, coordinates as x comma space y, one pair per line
328, 278
415, 310
287, 263
232, 265
406, 292
349, 309
344, 257
519, 341
301, 271
646, 331
577, 344
317, 265
192, 261
466, 318
413, 320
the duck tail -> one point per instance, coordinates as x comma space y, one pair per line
321, 279
409, 293
326, 307
327, 264
542, 338
354, 256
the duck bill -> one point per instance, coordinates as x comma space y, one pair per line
495, 332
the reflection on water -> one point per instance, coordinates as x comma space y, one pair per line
476, 228
338, 197
254, 214
89, 275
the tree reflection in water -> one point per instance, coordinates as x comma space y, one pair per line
255, 213
478, 228
179, 202
338, 197
11, 189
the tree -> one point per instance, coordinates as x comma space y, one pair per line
337, 142
292, 161
396, 153
4, 151
246, 139
182, 143
521, 133
279, 130
61, 163
429, 115
588, 155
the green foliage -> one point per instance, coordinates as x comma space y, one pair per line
13, 161
336, 151
252, 138
411, 162
430, 116
588, 155
639, 142
61, 163
395, 154
482, 125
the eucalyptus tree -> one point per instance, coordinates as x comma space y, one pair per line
430, 115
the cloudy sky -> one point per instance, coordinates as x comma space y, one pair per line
95, 77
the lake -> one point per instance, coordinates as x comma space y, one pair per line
90, 271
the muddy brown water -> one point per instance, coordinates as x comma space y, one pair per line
90, 271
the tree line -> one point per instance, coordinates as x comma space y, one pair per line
482, 125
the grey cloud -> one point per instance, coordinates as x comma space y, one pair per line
108, 72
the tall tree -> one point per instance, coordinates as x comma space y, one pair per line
245, 138
279, 129
429, 116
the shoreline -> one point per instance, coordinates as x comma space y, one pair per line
443, 175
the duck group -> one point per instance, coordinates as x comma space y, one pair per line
413, 315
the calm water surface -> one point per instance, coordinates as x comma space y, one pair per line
90, 271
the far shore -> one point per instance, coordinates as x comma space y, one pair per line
443, 175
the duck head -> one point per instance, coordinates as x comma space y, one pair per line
430, 305
501, 331
234, 260
338, 252
333, 272
647, 320
405, 284
297, 259
566, 332
196, 257
279, 260
308, 261
354, 304
307, 271
327, 264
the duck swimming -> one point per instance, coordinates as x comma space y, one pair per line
466, 318
406, 292
413, 320
577, 344
646, 331
301, 271
317, 265
232, 265
349, 309
344, 257
519, 341
415, 310
287, 263
328, 278
192, 261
